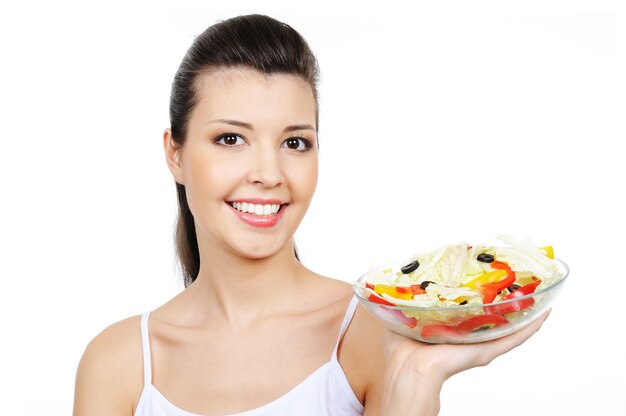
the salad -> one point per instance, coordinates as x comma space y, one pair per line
460, 289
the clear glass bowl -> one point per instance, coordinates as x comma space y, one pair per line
463, 324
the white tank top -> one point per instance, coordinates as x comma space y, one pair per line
325, 392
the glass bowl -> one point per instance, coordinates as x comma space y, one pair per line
463, 324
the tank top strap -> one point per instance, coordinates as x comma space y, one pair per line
346, 321
145, 341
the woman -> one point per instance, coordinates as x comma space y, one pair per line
255, 332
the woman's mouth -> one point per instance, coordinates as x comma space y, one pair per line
256, 209
258, 214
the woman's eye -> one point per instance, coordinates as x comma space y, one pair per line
297, 143
229, 139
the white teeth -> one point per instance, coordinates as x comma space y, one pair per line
256, 209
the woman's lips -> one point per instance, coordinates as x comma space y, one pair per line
258, 220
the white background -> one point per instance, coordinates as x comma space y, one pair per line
440, 123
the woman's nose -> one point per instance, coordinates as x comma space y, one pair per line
265, 169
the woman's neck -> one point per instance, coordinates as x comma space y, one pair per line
243, 291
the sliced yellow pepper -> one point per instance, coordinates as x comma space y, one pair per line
391, 291
486, 278
549, 251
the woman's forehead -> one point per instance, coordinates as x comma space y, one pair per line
243, 93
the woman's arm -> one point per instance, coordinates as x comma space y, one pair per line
416, 371
109, 375
406, 393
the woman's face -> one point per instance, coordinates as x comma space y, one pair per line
249, 162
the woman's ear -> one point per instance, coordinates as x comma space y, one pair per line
173, 156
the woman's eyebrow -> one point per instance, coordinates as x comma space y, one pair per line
232, 122
248, 126
298, 127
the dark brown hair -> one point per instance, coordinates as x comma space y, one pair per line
255, 41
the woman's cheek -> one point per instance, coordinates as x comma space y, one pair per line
309, 178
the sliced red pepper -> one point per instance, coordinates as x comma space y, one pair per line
403, 289
524, 290
490, 290
392, 291
407, 290
369, 285
411, 322
503, 266
379, 300
499, 265
479, 321
417, 290
489, 294
463, 328
441, 331
504, 308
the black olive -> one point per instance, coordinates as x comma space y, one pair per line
485, 258
463, 303
513, 288
425, 284
411, 267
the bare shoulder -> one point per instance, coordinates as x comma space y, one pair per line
328, 292
109, 379
363, 358
361, 351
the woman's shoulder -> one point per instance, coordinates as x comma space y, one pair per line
362, 356
361, 351
333, 287
110, 373
117, 342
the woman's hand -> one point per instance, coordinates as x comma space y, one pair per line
416, 371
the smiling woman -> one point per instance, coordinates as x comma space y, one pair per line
255, 332
249, 140
234, 44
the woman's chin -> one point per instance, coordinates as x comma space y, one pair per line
259, 251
